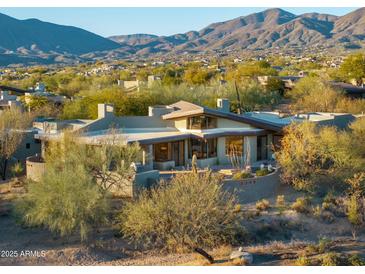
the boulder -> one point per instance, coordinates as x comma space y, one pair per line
240, 254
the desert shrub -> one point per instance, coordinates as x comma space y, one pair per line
329, 198
355, 260
263, 205
301, 205
330, 259
317, 211
302, 261
190, 211
280, 202
262, 172
327, 206
65, 201
323, 245
241, 175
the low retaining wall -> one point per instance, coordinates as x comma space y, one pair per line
35, 168
253, 189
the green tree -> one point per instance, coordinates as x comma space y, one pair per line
275, 84
65, 201
73, 194
311, 156
353, 68
13, 123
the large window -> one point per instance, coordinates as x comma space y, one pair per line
162, 152
234, 146
203, 148
202, 122
261, 148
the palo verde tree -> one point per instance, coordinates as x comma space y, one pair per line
13, 123
310, 155
73, 194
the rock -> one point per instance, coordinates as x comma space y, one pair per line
240, 254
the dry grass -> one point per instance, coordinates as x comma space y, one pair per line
276, 246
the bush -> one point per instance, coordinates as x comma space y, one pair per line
303, 261
262, 172
330, 259
280, 202
190, 211
323, 245
263, 205
356, 260
301, 205
65, 201
241, 175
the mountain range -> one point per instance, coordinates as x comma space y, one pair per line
268, 29
34, 41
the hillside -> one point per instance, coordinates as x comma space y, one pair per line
42, 41
268, 29
32, 41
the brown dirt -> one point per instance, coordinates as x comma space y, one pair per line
274, 239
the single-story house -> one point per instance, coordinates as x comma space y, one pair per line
170, 135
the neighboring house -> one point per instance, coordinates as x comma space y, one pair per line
350, 90
152, 79
52, 98
289, 81
9, 97
40, 91
8, 101
132, 85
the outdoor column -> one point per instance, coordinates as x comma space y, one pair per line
186, 152
269, 146
250, 149
147, 157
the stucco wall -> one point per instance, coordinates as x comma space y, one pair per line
35, 169
181, 123
167, 165
250, 148
251, 190
203, 163
221, 151
23, 152
145, 180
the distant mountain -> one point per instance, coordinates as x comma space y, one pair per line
259, 31
37, 38
32, 41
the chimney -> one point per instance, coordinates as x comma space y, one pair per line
105, 111
223, 105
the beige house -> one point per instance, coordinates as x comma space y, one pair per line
170, 135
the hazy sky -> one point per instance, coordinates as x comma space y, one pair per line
160, 21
